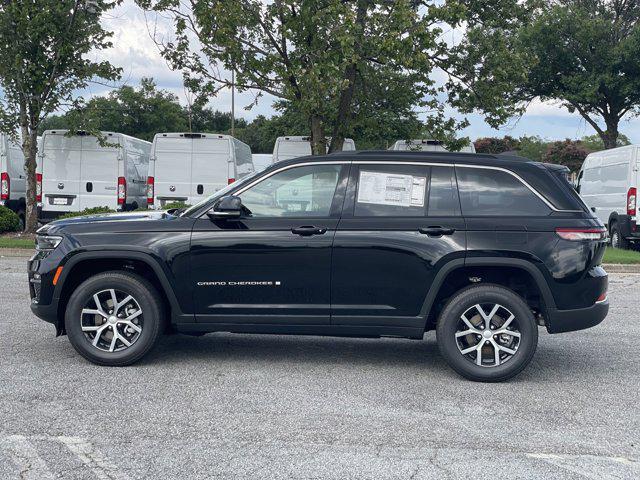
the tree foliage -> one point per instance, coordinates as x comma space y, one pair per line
584, 54
44, 59
333, 61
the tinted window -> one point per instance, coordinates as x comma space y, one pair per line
391, 190
297, 192
485, 192
443, 193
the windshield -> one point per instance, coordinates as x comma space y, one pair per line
220, 193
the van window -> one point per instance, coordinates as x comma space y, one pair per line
297, 192
391, 191
485, 192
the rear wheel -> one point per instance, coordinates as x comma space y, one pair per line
114, 318
617, 241
487, 333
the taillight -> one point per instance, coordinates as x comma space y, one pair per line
5, 186
631, 202
38, 187
122, 190
581, 234
230, 181
150, 189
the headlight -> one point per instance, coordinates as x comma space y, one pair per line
47, 242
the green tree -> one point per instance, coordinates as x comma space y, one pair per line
44, 47
496, 145
205, 119
583, 54
329, 60
594, 143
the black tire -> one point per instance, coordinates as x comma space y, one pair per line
148, 300
21, 216
616, 238
449, 324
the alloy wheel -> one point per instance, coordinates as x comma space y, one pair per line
112, 320
487, 334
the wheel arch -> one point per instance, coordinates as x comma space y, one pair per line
503, 271
84, 265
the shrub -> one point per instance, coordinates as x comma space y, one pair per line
172, 205
87, 211
9, 220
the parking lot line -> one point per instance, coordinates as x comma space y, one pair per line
593, 466
93, 459
25, 456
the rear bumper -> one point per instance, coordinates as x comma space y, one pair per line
560, 321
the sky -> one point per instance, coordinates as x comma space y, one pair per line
136, 53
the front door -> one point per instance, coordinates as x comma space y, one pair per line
273, 265
401, 223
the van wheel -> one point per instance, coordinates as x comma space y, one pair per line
616, 239
114, 318
487, 333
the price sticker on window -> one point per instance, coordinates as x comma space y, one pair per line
391, 189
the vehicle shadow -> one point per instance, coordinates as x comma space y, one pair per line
551, 362
388, 352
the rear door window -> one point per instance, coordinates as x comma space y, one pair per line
488, 192
392, 191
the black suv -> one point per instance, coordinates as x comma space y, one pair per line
481, 248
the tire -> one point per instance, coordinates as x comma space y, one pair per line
616, 238
492, 369
144, 312
22, 217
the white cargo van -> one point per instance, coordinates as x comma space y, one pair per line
292, 147
12, 176
423, 145
76, 172
188, 167
608, 184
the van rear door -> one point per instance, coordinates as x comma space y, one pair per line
61, 173
99, 173
213, 164
172, 177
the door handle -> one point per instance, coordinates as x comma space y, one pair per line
593, 209
436, 231
308, 230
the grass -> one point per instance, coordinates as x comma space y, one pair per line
616, 255
16, 241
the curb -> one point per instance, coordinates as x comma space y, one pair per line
621, 268
16, 252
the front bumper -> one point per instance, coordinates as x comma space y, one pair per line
560, 321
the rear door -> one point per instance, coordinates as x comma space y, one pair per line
61, 165
99, 173
172, 170
211, 164
400, 224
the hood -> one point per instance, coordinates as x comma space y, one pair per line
106, 221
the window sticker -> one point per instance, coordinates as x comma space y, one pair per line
391, 189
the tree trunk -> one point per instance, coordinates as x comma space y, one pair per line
610, 136
318, 140
30, 150
343, 117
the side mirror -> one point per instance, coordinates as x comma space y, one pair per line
226, 207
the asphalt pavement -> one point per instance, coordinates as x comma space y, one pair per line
272, 407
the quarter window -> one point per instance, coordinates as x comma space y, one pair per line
297, 192
485, 192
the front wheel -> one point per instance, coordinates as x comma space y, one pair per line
114, 318
487, 333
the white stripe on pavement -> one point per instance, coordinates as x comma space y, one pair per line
594, 467
25, 456
93, 459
